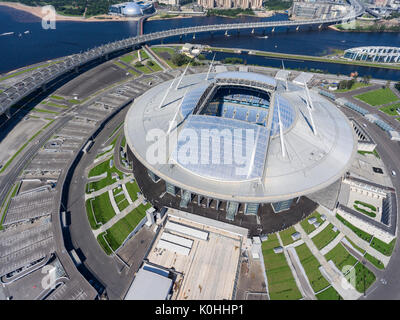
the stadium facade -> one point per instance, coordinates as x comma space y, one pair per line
132, 9
238, 139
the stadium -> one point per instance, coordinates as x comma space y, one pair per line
239, 147
132, 9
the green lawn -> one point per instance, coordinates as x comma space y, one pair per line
103, 243
378, 97
311, 265
117, 234
385, 248
286, 235
341, 258
133, 189
376, 262
170, 51
329, 294
6, 202
391, 110
325, 236
356, 85
281, 283
102, 208
100, 169
364, 277
90, 215
308, 228
127, 58
362, 251
360, 233
56, 97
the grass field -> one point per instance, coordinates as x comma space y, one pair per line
159, 51
391, 110
133, 189
102, 208
362, 251
356, 85
308, 228
376, 262
329, 294
325, 236
286, 235
360, 233
103, 243
117, 234
90, 215
385, 248
311, 265
340, 257
100, 169
281, 283
378, 97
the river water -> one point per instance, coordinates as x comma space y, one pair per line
21, 49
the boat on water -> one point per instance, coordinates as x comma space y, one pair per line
27, 31
6, 33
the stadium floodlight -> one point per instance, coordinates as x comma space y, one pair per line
209, 69
183, 74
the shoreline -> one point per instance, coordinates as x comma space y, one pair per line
37, 12
334, 28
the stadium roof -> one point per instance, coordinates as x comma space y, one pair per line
300, 148
246, 76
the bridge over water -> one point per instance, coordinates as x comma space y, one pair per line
44, 76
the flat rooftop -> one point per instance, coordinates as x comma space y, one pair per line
210, 269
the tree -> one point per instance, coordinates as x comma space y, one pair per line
179, 59
150, 63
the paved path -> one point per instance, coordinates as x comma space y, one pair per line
319, 229
113, 203
335, 278
330, 216
332, 244
301, 274
118, 217
127, 195
108, 188
299, 283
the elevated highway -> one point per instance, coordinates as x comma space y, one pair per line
43, 76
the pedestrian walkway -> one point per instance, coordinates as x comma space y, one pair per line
301, 274
303, 291
319, 229
118, 217
337, 280
332, 244
330, 216
113, 203
110, 187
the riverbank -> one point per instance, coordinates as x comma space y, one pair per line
307, 58
367, 26
37, 12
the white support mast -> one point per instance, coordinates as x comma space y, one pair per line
183, 74
209, 69
166, 93
281, 130
310, 108
171, 124
287, 86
